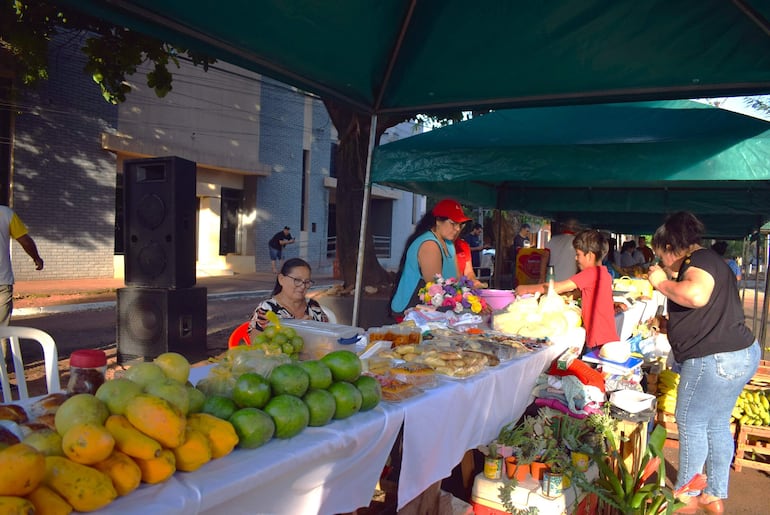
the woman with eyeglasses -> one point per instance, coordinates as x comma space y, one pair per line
430, 251
288, 299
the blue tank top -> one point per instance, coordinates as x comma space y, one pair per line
411, 277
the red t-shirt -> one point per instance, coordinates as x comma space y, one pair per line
595, 284
463, 253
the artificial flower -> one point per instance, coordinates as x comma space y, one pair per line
452, 295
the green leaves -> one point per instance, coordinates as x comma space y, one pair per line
27, 29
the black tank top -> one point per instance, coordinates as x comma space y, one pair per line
719, 326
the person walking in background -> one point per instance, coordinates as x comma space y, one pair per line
276, 245
11, 227
562, 253
716, 350
476, 244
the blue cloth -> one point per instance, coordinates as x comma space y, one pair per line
411, 275
734, 267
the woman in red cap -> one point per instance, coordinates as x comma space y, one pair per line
429, 252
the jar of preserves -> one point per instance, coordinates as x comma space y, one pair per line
87, 367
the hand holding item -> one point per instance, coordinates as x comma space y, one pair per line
656, 275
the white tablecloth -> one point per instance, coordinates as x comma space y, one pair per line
445, 422
326, 470
335, 468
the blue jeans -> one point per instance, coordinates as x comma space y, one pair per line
708, 389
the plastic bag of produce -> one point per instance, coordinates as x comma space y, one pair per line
219, 381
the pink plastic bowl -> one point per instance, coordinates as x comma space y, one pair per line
498, 299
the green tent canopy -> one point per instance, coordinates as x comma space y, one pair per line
412, 56
614, 166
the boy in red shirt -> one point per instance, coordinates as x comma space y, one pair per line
595, 285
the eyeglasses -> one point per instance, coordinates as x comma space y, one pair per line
455, 225
307, 283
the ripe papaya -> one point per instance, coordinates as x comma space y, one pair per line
87, 443
194, 452
130, 440
48, 502
157, 470
220, 433
157, 418
84, 487
22, 468
123, 471
11, 505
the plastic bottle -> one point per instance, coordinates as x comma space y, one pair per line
87, 368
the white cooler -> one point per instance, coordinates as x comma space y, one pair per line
486, 496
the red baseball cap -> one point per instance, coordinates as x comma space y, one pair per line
451, 209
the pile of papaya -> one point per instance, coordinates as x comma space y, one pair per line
141, 428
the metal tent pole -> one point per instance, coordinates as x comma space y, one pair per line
364, 220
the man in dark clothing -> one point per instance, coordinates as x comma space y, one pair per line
276, 245
476, 244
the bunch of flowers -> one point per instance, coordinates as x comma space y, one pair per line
452, 295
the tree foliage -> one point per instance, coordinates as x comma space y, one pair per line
28, 27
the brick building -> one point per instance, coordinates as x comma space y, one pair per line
264, 160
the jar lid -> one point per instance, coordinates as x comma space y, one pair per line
88, 358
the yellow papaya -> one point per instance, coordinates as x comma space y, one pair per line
157, 470
87, 443
48, 502
84, 487
220, 433
12, 505
194, 452
157, 418
130, 440
22, 468
123, 471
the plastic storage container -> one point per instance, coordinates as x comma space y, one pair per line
322, 338
87, 367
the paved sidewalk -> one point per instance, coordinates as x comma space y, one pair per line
56, 296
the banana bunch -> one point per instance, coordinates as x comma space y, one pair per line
752, 408
668, 381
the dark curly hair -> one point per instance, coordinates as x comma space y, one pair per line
680, 231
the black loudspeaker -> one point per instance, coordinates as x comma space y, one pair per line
159, 229
152, 321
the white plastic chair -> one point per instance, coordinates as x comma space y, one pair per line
330, 315
13, 334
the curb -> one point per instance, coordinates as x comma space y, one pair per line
95, 306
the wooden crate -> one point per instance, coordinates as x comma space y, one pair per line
762, 377
756, 440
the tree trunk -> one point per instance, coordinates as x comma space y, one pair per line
353, 129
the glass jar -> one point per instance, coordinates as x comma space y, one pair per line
87, 367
